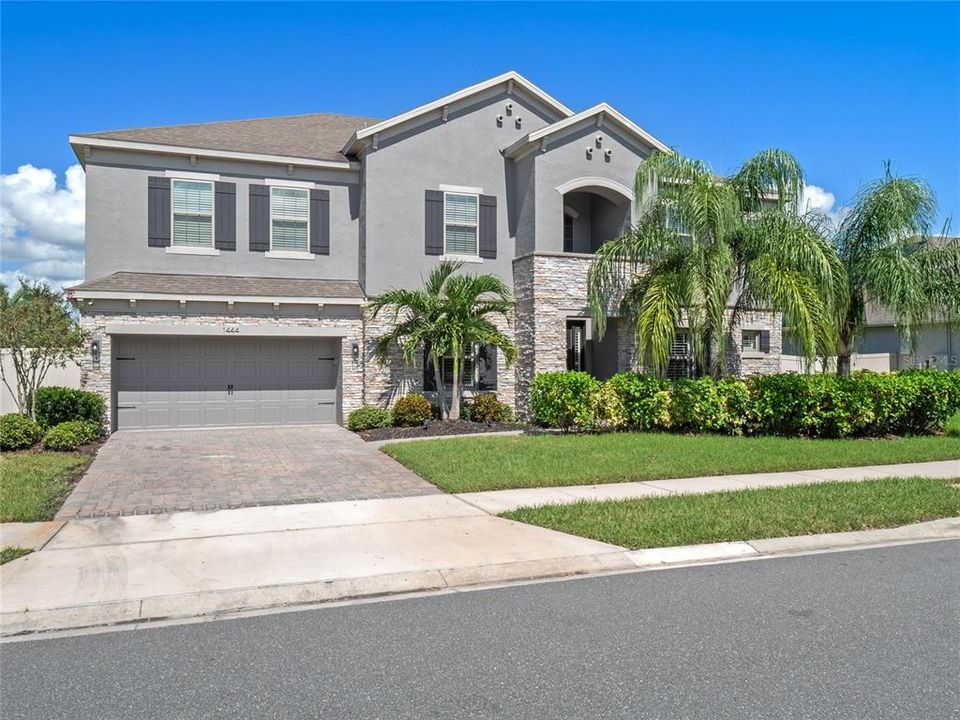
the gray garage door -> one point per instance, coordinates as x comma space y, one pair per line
168, 382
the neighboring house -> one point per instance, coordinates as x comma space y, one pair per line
227, 264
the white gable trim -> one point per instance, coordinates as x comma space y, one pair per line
602, 113
512, 79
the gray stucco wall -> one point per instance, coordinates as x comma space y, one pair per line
116, 219
566, 159
463, 151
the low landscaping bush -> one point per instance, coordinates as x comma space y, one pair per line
71, 435
952, 428
866, 404
487, 408
18, 432
55, 405
369, 417
563, 400
411, 410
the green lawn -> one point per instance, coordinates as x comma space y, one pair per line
953, 426
12, 553
33, 486
751, 514
496, 463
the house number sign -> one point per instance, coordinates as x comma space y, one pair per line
231, 329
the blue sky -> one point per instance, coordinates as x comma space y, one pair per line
842, 86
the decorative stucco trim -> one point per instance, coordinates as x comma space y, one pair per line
237, 329
103, 295
582, 182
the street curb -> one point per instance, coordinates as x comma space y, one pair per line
227, 603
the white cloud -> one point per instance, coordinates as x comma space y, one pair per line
42, 225
817, 200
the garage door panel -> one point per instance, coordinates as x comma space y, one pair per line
183, 381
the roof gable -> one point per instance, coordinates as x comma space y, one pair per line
600, 114
512, 80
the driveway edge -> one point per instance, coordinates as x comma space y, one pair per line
226, 603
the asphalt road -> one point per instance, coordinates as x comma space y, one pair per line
869, 634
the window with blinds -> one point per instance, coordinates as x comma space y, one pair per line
469, 365
289, 219
460, 224
674, 223
192, 213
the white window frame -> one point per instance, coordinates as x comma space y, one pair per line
756, 350
287, 252
193, 249
474, 379
682, 231
476, 226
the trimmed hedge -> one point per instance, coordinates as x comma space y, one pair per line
71, 434
18, 432
486, 408
56, 405
369, 417
866, 404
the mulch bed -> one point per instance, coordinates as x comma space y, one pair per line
438, 428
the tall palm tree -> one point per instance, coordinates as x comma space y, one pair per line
704, 244
890, 259
451, 313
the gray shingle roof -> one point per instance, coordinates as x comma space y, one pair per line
133, 282
319, 136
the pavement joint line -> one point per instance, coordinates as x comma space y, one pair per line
262, 532
52, 536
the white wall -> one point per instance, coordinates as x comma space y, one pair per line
65, 377
877, 362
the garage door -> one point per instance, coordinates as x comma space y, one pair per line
176, 382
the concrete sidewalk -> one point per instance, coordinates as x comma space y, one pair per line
133, 569
500, 501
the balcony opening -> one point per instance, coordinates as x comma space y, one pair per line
591, 217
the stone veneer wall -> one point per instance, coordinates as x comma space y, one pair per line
387, 382
94, 322
745, 364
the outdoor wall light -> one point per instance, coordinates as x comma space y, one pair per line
355, 350
589, 153
95, 352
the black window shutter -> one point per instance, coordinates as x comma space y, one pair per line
320, 222
158, 212
225, 212
488, 226
429, 376
433, 232
259, 218
487, 367
765, 341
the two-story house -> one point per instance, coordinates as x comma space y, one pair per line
227, 264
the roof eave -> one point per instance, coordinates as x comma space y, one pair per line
83, 146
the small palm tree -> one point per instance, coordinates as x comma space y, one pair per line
890, 260
705, 243
450, 313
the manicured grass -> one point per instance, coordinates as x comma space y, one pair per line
496, 463
751, 514
12, 553
33, 486
953, 426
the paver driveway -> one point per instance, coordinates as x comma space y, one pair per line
140, 472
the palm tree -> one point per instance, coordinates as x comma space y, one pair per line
890, 260
451, 313
706, 249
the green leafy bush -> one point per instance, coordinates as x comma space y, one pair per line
411, 410
563, 400
55, 405
865, 404
18, 431
646, 400
70, 435
487, 408
369, 417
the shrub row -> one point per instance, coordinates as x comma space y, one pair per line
71, 434
865, 404
411, 410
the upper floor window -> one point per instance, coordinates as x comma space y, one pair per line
460, 214
289, 219
568, 222
674, 223
192, 213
